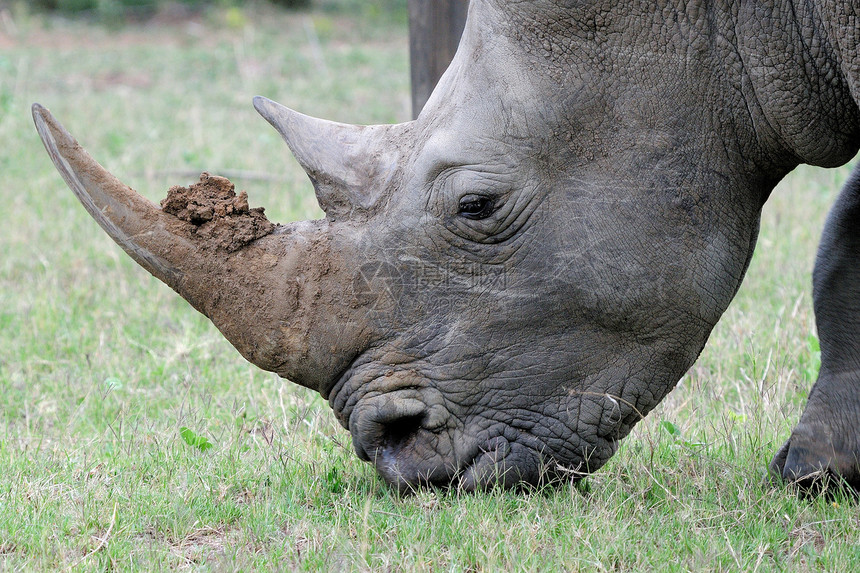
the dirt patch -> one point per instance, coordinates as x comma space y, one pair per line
220, 217
204, 546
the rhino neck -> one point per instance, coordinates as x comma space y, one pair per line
801, 62
840, 26
775, 80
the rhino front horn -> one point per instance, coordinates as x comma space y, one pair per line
131, 220
279, 298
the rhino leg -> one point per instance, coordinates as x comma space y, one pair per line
826, 441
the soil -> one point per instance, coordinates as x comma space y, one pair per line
221, 218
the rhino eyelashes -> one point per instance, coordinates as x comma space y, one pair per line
477, 207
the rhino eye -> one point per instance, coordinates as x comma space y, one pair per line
477, 206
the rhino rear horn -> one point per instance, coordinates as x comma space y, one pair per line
349, 165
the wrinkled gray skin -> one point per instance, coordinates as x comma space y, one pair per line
528, 268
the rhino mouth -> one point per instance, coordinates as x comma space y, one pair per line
489, 463
415, 438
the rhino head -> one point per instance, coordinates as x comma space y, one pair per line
503, 287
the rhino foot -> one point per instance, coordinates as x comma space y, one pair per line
824, 448
810, 472
821, 455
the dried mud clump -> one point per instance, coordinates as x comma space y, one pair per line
220, 217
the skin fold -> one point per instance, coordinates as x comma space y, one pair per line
503, 287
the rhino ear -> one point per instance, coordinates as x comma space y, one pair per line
349, 165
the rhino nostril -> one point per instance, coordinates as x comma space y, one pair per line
395, 431
399, 432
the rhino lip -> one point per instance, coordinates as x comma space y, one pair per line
488, 464
443, 476
410, 453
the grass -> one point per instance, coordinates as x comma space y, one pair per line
101, 366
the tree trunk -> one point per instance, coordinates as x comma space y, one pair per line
435, 27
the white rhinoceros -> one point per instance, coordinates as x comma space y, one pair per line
503, 287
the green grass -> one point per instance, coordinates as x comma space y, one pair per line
101, 365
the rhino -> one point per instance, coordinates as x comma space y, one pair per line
502, 288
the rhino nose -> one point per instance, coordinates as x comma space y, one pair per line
385, 425
399, 435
